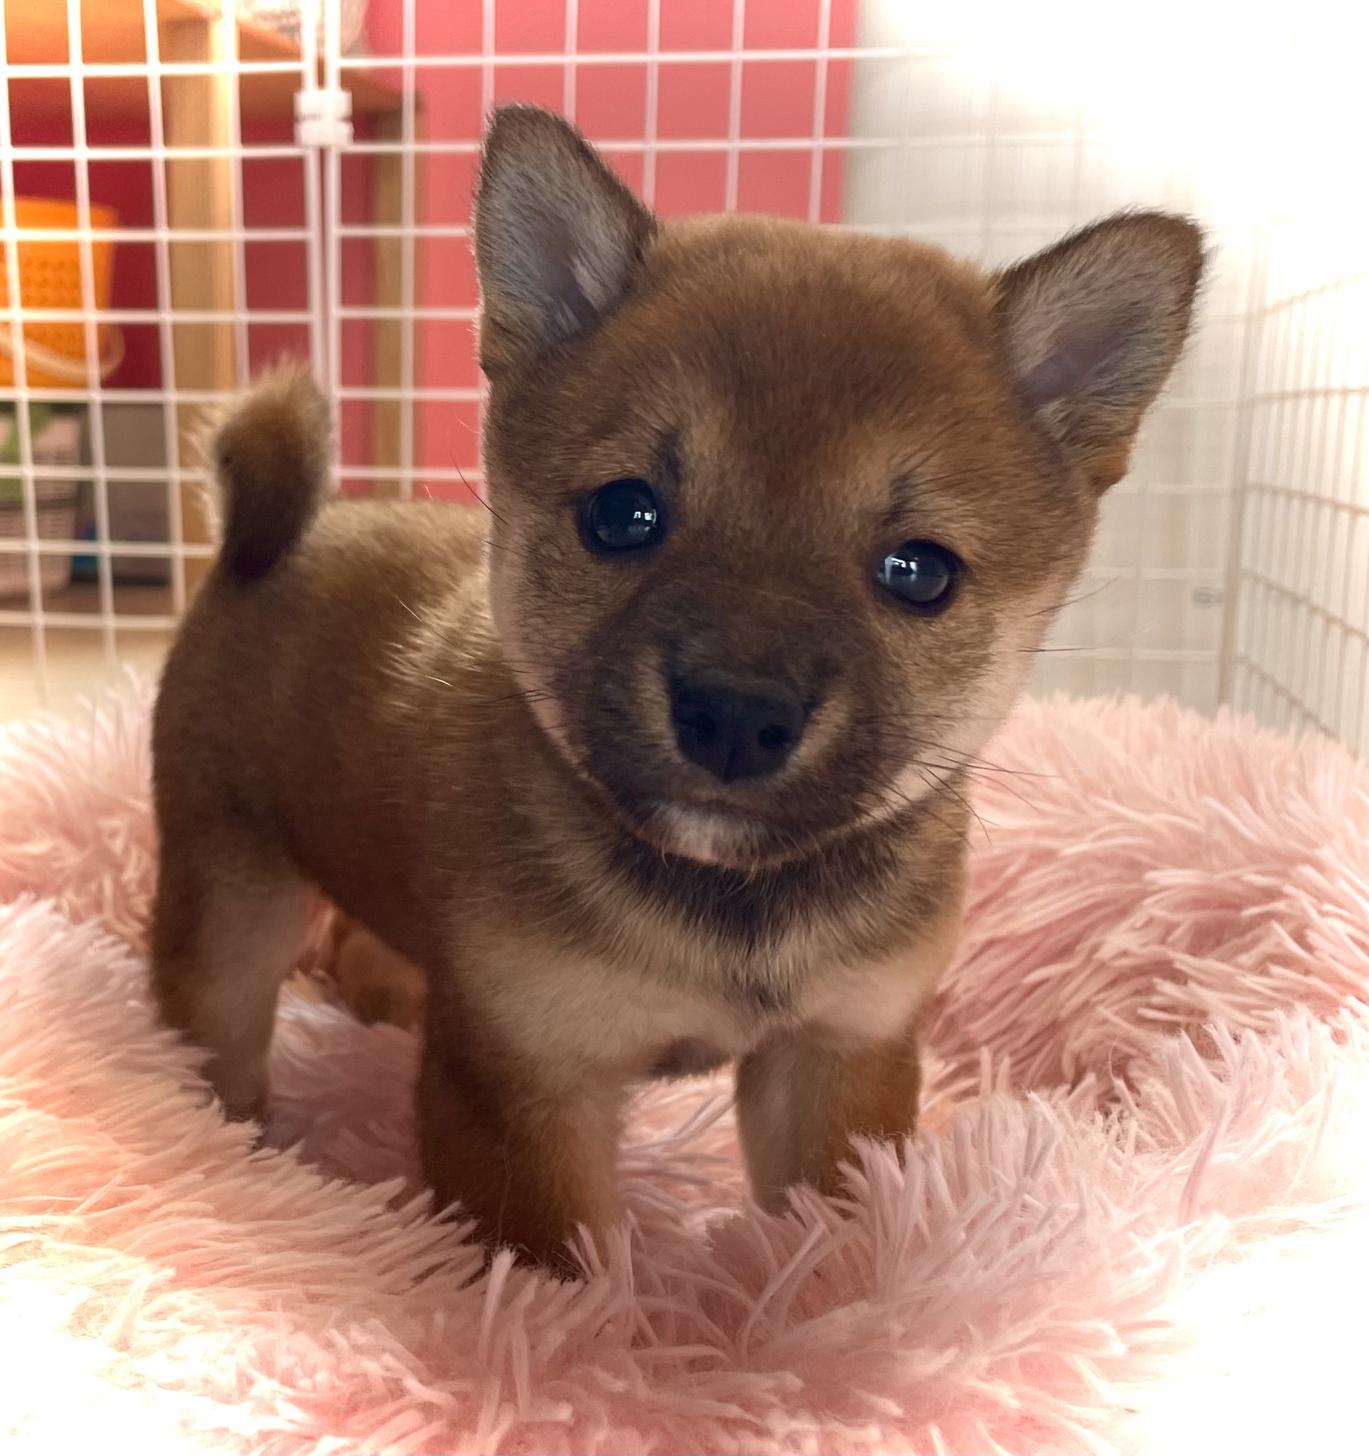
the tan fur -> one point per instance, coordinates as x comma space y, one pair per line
464, 742
374, 982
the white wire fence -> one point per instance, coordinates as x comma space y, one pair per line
308, 194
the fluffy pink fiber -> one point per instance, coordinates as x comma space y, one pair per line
1137, 1218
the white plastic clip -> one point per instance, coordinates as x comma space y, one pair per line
323, 118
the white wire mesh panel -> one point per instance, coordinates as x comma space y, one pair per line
1301, 646
1299, 651
1230, 563
1009, 134
135, 141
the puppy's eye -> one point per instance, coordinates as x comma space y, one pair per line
623, 515
922, 575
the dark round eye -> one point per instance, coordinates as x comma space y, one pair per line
921, 574
623, 515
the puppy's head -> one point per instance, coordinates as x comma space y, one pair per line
781, 513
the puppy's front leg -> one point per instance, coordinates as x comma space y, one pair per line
852, 1071
801, 1097
527, 1159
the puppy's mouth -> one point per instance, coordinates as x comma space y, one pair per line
707, 835
712, 831
738, 836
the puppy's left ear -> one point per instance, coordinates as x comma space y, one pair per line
558, 237
1093, 326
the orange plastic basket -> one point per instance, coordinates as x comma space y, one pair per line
50, 277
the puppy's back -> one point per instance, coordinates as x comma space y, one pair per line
291, 696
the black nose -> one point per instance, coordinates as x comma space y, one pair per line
734, 729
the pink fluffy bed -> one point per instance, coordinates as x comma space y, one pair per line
1136, 1219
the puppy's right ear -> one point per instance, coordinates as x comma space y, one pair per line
558, 237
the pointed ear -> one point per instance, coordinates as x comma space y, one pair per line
1093, 326
558, 237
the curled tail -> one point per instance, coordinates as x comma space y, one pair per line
270, 454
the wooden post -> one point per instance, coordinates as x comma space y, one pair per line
387, 260
199, 195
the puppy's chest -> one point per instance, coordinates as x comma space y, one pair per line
687, 1014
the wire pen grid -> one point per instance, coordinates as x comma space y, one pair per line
1231, 563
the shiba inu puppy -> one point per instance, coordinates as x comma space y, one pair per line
662, 761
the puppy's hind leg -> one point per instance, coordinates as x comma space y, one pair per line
230, 921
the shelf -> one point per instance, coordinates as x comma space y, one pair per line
112, 34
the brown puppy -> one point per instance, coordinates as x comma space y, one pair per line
670, 770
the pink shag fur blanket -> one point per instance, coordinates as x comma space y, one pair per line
1136, 1218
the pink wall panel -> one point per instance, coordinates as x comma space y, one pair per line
610, 104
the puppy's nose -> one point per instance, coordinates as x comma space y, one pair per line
735, 729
